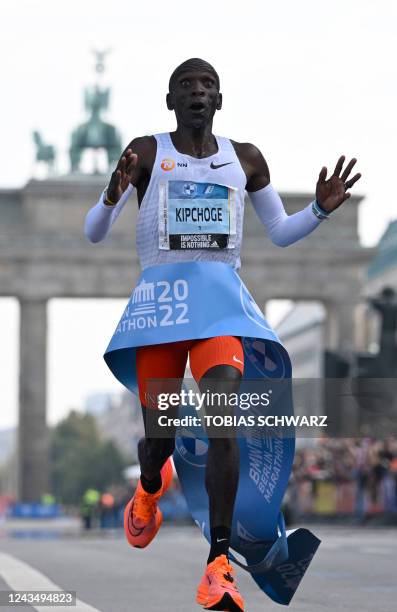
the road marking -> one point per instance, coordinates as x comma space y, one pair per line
23, 577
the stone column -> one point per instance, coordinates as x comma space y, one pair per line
346, 326
340, 326
331, 326
33, 465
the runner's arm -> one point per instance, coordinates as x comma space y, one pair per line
283, 229
101, 217
127, 174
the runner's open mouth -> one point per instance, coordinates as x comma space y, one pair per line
197, 106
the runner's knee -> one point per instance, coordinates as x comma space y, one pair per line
155, 450
223, 373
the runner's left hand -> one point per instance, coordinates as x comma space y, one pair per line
332, 192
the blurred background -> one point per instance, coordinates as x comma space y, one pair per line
303, 81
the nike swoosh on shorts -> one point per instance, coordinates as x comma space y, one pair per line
237, 360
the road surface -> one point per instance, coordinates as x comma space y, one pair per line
354, 570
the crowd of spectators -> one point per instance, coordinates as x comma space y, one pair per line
345, 476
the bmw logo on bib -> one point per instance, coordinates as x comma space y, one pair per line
190, 189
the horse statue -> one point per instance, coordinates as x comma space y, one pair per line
95, 133
44, 152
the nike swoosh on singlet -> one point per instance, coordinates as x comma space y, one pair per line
216, 166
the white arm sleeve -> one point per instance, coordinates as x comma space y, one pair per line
283, 229
101, 217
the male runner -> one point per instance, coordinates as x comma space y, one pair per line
193, 153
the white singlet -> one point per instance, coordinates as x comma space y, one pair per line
193, 208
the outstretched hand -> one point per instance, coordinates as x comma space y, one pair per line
122, 176
332, 192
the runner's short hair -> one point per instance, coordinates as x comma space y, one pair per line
194, 64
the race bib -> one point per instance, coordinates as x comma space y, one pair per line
196, 216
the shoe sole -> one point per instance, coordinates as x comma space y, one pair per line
202, 597
226, 603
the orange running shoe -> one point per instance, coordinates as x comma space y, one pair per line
217, 589
142, 517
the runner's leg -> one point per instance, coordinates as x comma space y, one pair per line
153, 452
164, 361
222, 470
142, 516
223, 462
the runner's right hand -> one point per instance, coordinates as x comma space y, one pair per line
122, 176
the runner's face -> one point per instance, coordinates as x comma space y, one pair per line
195, 98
